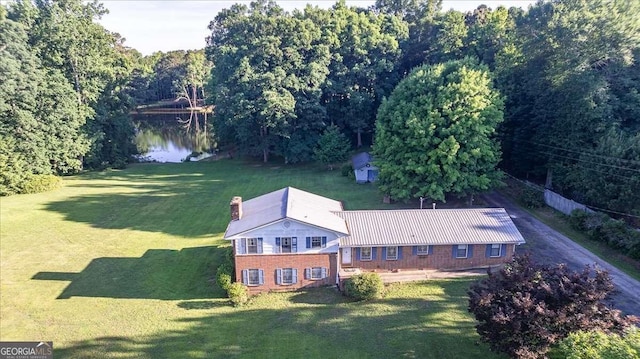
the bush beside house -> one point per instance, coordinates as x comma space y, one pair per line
237, 292
364, 286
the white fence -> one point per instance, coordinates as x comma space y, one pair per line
562, 204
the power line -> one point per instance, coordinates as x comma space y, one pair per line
603, 172
541, 189
610, 211
582, 152
595, 163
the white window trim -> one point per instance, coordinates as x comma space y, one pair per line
319, 275
395, 258
319, 238
282, 244
499, 251
249, 277
257, 245
466, 251
422, 253
283, 276
362, 258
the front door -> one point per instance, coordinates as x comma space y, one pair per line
346, 255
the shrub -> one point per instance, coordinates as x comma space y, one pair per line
228, 256
347, 170
531, 198
593, 225
615, 233
578, 219
364, 286
597, 344
634, 252
224, 276
226, 270
41, 183
238, 293
525, 308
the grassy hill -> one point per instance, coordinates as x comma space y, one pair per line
120, 264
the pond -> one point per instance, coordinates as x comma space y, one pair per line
166, 138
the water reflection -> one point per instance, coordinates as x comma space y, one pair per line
164, 138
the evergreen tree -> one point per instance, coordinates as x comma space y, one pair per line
333, 147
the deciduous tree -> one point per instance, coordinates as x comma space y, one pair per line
269, 67
69, 42
435, 133
40, 119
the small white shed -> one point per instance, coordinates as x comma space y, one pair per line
363, 168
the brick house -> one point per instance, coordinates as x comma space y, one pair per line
290, 239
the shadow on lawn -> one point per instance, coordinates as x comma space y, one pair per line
158, 274
186, 201
393, 328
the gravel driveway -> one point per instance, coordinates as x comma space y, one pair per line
550, 247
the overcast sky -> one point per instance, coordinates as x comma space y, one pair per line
149, 25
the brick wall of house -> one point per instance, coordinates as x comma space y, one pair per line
441, 258
269, 264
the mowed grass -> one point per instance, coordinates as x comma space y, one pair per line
120, 264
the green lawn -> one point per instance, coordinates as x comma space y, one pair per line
120, 264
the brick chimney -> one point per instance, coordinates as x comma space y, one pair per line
236, 208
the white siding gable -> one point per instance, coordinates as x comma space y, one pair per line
301, 231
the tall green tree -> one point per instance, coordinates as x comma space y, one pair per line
365, 49
490, 33
450, 37
169, 71
269, 67
40, 119
572, 83
66, 39
435, 133
196, 71
421, 17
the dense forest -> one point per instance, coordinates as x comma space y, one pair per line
567, 75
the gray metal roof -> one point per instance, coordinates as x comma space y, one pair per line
290, 203
429, 226
361, 159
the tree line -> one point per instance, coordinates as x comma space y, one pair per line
565, 73
64, 101
67, 86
